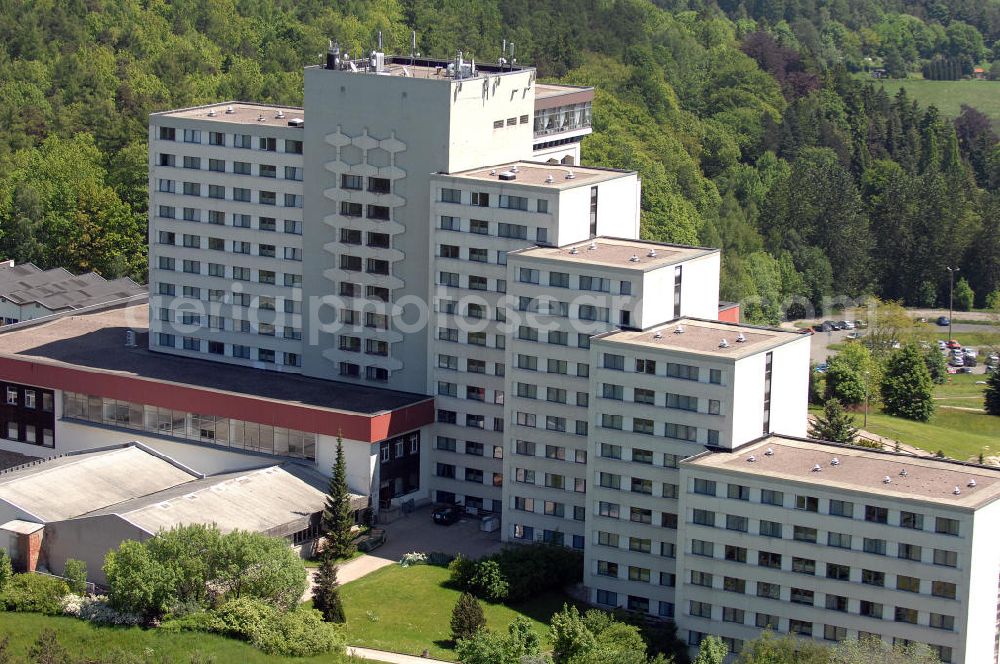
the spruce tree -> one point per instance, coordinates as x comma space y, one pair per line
467, 617
992, 394
337, 521
835, 424
326, 592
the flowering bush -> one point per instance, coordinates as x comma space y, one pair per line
98, 611
413, 558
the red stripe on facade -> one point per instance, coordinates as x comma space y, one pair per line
355, 426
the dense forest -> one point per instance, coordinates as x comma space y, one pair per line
751, 123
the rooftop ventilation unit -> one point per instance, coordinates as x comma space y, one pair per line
508, 175
634, 258
574, 251
956, 491
817, 468
679, 329
514, 168
229, 110
296, 122
886, 480
834, 461
904, 473
570, 176
211, 113
280, 115
592, 246
658, 335
260, 117
751, 458
971, 483
493, 171
740, 338
723, 344
549, 179
651, 254
769, 452
129, 338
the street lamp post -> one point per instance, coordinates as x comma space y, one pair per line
867, 376
951, 296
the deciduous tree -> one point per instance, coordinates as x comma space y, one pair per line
906, 387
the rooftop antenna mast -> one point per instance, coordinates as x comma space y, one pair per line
503, 56
413, 47
513, 60
379, 41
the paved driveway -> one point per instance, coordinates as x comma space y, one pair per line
417, 532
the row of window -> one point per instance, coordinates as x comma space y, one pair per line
841, 508
218, 218
485, 199
616, 362
471, 420
583, 282
353, 370
211, 429
220, 139
192, 241
475, 475
499, 124
499, 229
525, 533
549, 508
239, 194
238, 167
670, 400
244, 300
30, 400
471, 447
235, 272
472, 365
648, 427
239, 351
221, 323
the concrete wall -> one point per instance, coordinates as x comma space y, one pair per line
980, 623
88, 539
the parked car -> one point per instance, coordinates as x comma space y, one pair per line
953, 344
969, 360
845, 325
446, 515
817, 328
942, 345
943, 321
861, 324
828, 326
993, 360
970, 351
822, 367
957, 361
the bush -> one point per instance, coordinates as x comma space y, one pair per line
98, 611
34, 593
488, 581
439, 559
530, 570
410, 559
242, 618
461, 569
298, 633
75, 573
6, 569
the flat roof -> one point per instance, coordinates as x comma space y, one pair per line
546, 90
242, 113
705, 337
257, 500
538, 173
860, 469
96, 341
59, 289
616, 252
68, 486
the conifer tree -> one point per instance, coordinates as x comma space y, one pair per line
326, 593
992, 396
337, 521
467, 617
907, 390
835, 424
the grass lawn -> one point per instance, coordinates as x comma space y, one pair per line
960, 434
948, 96
413, 611
83, 639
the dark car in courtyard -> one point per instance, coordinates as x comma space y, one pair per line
446, 515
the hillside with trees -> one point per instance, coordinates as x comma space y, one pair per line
745, 120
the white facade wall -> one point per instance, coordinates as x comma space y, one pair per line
265, 326
974, 575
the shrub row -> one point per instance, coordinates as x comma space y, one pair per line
517, 573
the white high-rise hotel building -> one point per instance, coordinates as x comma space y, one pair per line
425, 226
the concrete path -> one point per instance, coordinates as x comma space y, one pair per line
416, 532
391, 657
